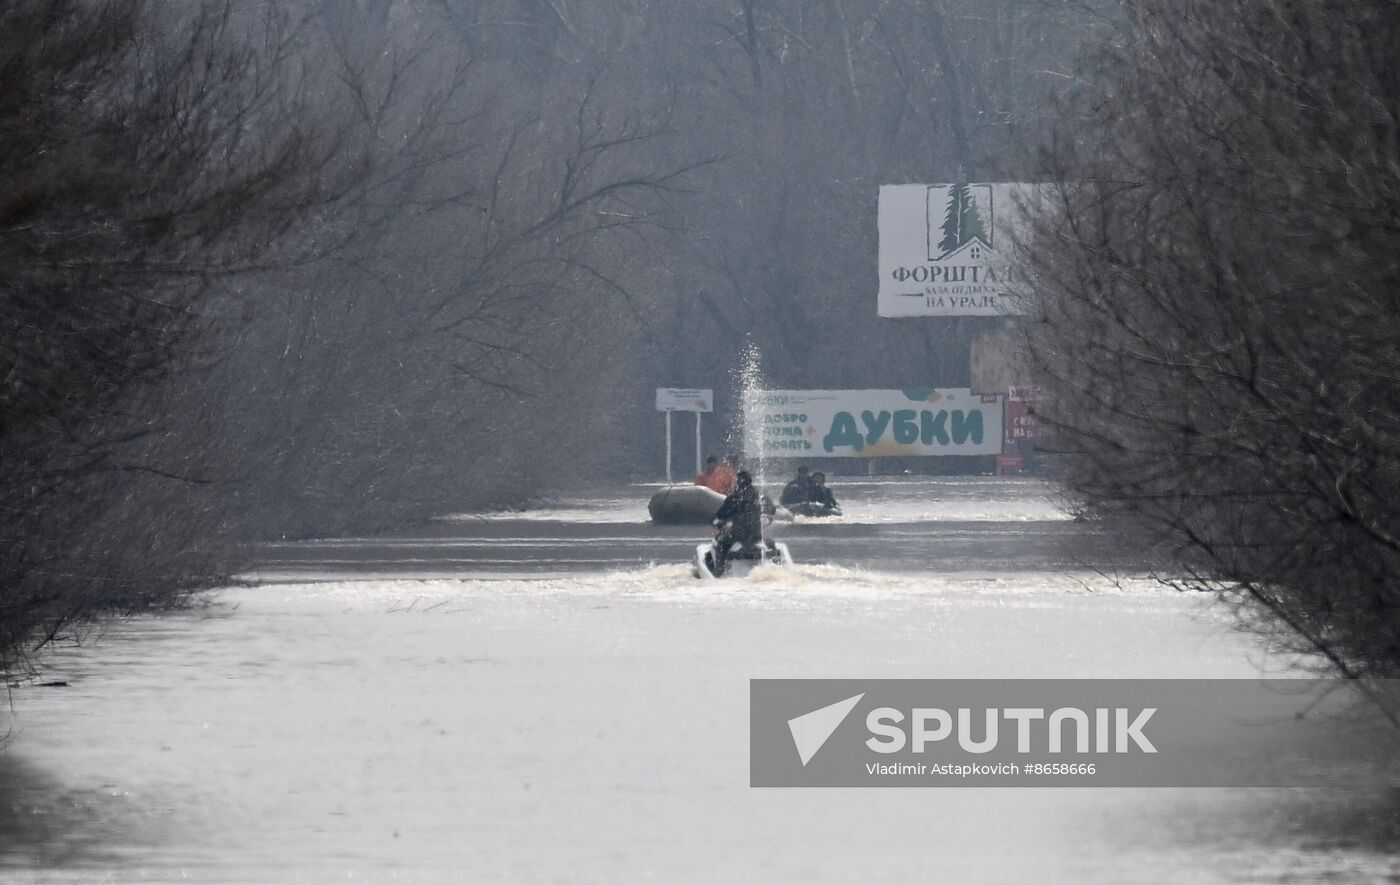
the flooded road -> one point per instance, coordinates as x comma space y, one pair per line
971, 525
548, 696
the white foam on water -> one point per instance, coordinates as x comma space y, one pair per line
984, 511
864, 501
766, 586
603, 510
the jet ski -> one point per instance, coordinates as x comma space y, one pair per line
741, 560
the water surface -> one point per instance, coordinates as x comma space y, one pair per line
549, 696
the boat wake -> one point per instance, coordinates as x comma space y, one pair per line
766, 586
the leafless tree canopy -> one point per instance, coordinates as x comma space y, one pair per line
223, 230
1217, 280
296, 268
143, 159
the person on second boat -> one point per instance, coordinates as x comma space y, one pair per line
819, 494
738, 520
717, 475
798, 491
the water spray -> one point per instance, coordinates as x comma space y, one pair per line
748, 384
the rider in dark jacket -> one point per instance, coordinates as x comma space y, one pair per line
738, 520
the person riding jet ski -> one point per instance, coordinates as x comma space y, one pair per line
739, 544
738, 520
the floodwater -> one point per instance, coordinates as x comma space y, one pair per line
549, 696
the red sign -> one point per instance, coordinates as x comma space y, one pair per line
1020, 423
1010, 464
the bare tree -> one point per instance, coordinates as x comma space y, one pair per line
153, 156
1216, 280
457, 357
357, 262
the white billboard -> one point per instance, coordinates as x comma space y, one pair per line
944, 248
872, 423
684, 399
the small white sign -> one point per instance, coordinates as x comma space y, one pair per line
680, 399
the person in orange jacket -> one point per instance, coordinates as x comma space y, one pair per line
719, 476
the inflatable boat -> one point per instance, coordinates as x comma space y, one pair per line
684, 505
741, 560
808, 508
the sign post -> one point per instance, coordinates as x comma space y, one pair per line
684, 399
668, 447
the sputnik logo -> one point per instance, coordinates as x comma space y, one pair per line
811, 731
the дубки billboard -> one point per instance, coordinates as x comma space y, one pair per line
872, 423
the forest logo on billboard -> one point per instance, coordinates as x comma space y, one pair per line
939, 251
960, 220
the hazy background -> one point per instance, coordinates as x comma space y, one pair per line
483, 349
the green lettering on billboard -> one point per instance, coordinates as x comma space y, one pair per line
905, 430
843, 432
875, 425
965, 425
